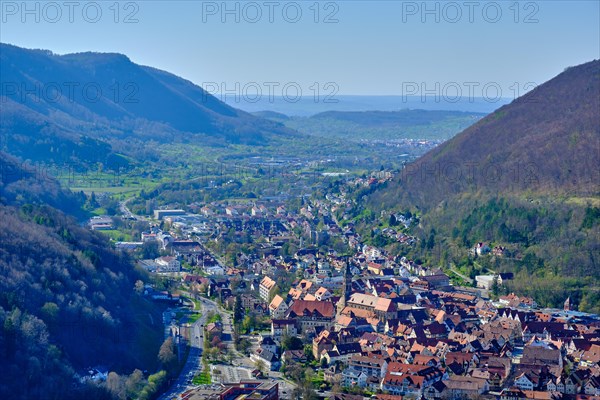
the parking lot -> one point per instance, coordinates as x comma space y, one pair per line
229, 374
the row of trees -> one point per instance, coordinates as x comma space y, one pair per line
136, 386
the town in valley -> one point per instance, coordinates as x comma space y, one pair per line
285, 299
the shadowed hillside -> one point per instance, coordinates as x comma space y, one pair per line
547, 141
66, 296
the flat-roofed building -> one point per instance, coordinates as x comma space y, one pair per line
160, 214
254, 390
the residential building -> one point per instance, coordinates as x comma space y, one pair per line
311, 314
266, 288
283, 327
278, 307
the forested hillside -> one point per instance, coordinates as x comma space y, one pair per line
546, 141
67, 299
525, 177
89, 108
381, 125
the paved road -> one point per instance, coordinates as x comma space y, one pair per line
127, 212
193, 364
226, 320
242, 365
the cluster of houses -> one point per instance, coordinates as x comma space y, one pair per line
435, 344
398, 236
414, 335
374, 179
382, 323
189, 251
482, 248
164, 264
410, 334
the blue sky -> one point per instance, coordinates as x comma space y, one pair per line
364, 47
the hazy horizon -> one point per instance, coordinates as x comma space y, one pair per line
350, 48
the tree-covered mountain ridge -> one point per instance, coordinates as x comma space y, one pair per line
88, 108
67, 298
526, 178
546, 141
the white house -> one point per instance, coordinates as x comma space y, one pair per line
323, 294
481, 249
283, 327
352, 378
485, 281
592, 387
267, 343
167, 264
523, 382
278, 307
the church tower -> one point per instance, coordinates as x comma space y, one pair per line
346, 288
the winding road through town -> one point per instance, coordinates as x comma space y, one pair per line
193, 363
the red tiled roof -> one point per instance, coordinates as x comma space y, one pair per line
324, 308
